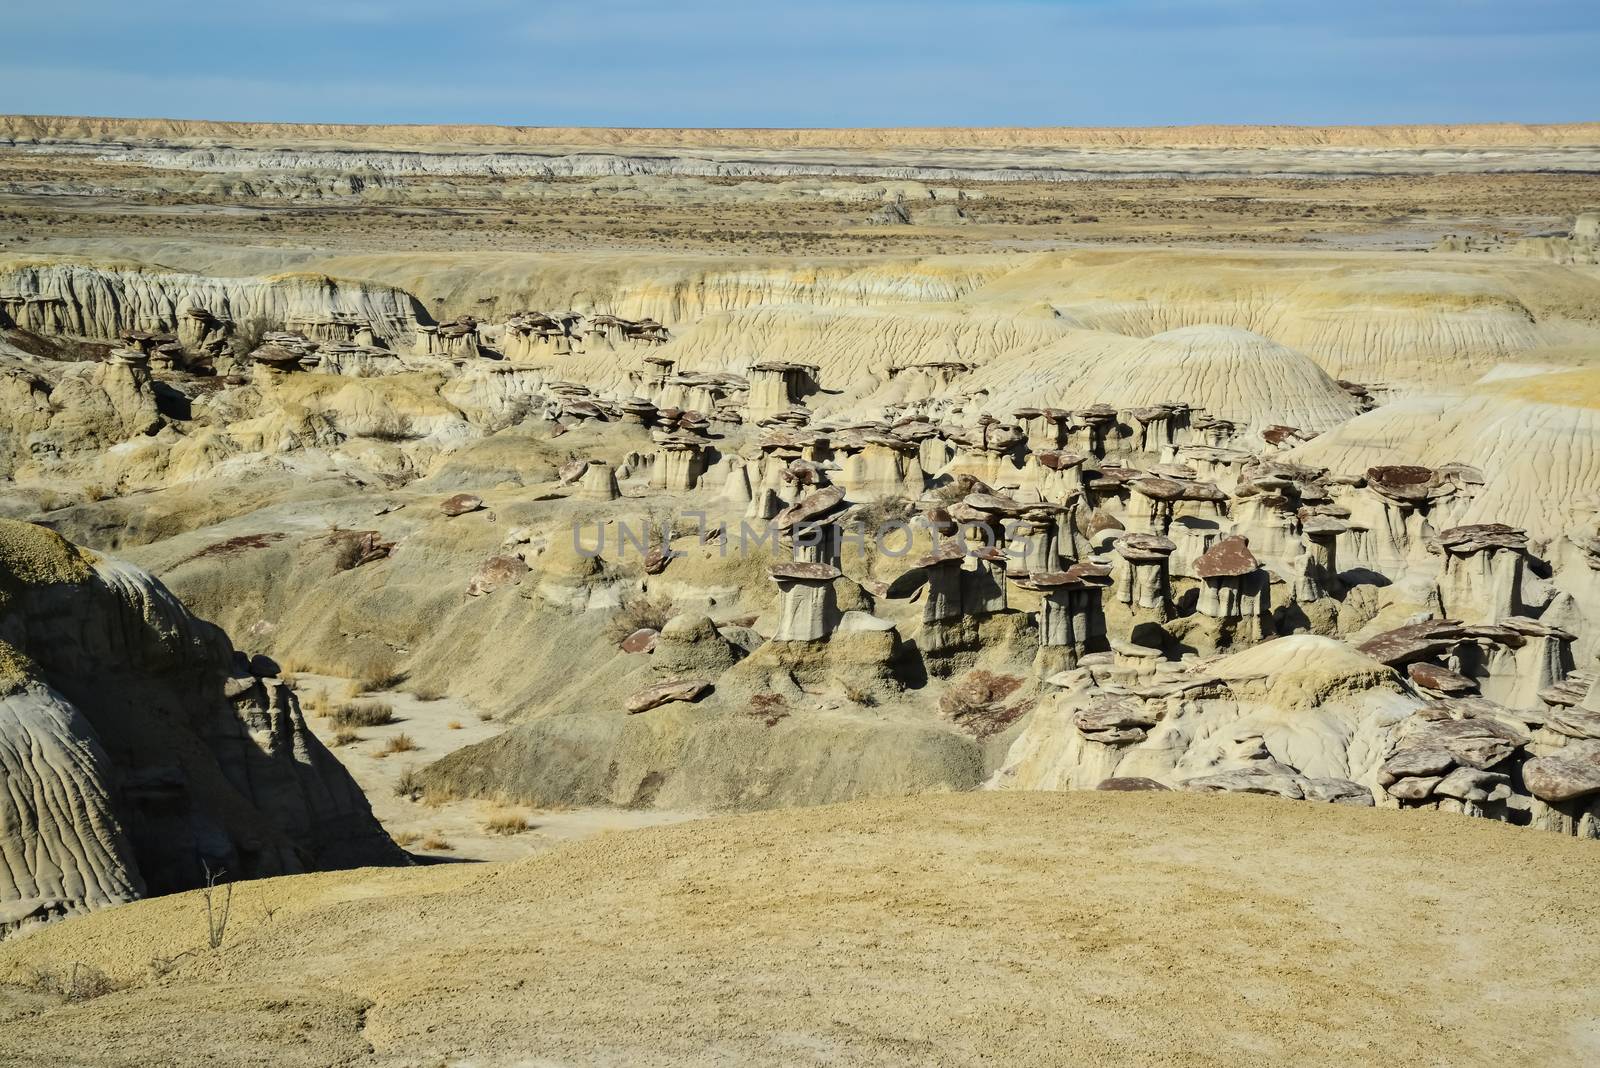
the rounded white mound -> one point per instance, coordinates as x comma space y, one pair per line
1232, 373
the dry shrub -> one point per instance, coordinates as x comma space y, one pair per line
435, 841
363, 714
352, 548
638, 613
405, 839
371, 671
486, 717
453, 725
507, 823
318, 704
345, 736
859, 696
958, 488
400, 743
409, 784
435, 796
873, 516
976, 702
80, 982
428, 691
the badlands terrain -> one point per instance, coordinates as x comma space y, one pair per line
515, 595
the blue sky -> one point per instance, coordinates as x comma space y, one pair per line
824, 63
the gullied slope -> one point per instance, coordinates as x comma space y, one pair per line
994, 165
1534, 438
62, 848
1231, 373
981, 928
1422, 320
141, 749
858, 346
675, 290
102, 302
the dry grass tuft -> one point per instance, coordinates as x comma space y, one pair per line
400, 743
859, 696
363, 714
409, 784
434, 841
345, 736
507, 823
453, 725
318, 703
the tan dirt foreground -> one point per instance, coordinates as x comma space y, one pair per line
963, 929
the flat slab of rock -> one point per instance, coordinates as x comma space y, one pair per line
805, 571
1440, 680
1562, 778
1131, 784
1114, 714
642, 640
1421, 761
496, 573
1469, 784
1338, 792
1414, 789
667, 692
461, 504
1275, 780
1228, 558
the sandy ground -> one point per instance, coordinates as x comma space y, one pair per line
438, 829
961, 929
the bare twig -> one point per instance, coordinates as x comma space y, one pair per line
216, 915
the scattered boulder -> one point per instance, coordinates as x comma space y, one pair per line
666, 692
461, 504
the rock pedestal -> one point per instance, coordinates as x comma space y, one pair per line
774, 387
1481, 580
1140, 572
1235, 589
808, 609
599, 482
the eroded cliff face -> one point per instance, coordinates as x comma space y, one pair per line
141, 750
92, 301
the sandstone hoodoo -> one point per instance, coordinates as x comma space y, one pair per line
1201, 519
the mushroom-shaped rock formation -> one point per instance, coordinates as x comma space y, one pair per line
810, 526
1140, 569
1235, 589
808, 607
1481, 579
679, 462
